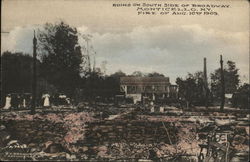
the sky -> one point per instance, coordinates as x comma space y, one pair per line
170, 44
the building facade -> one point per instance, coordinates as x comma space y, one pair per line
152, 88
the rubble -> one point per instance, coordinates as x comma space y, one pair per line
124, 133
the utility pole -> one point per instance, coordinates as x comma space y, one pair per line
94, 62
222, 84
205, 82
33, 103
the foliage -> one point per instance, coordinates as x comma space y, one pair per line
141, 74
231, 80
155, 74
192, 89
241, 98
138, 74
17, 75
16, 71
118, 74
62, 56
93, 82
96, 85
114, 80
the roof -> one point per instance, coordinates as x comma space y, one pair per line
144, 80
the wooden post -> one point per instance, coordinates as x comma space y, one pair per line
167, 133
222, 84
33, 104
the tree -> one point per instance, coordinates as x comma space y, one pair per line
186, 90
16, 73
155, 74
241, 97
138, 74
118, 74
93, 85
231, 80
192, 89
113, 81
62, 56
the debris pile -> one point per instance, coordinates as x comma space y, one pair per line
47, 133
124, 133
131, 131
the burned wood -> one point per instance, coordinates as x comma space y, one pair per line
167, 133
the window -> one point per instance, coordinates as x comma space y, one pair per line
132, 89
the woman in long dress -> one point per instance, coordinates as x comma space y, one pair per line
7, 102
46, 100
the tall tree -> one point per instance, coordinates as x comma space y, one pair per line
231, 79
242, 97
113, 81
191, 89
16, 73
62, 56
186, 87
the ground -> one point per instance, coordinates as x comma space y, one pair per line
125, 132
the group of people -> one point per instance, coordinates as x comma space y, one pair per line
57, 99
19, 101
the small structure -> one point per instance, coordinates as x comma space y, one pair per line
152, 88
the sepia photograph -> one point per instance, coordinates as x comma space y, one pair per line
125, 80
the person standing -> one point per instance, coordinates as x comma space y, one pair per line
7, 102
24, 104
46, 102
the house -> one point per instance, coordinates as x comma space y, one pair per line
153, 88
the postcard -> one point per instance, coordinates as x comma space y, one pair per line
125, 80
